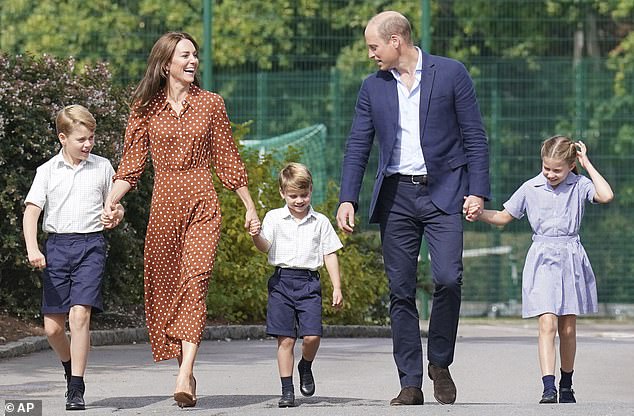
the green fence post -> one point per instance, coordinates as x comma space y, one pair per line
261, 104
425, 22
495, 147
334, 132
207, 37
580, 98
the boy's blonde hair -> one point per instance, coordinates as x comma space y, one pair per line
71, 115
295, 176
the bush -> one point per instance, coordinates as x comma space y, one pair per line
33, 90
238, 288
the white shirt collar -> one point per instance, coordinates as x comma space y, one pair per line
419, 65
540, 180
59, 159
286, 213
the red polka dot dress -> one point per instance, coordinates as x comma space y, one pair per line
184, 225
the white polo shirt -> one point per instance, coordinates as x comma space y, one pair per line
71, 197
299, 244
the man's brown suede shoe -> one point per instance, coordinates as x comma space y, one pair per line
444, 387
408, 396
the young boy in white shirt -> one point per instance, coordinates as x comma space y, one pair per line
70, 189
299, 241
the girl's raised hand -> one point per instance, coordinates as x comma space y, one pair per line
582, 153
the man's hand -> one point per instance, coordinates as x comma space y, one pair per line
345, 217
472, 207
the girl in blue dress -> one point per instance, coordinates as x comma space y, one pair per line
557, 282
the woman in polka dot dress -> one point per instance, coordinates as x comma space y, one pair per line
186, 129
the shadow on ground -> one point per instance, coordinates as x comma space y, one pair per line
232, 401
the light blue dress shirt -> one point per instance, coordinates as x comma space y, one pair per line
407, 156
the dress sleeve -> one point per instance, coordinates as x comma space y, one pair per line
588, 191
135, 149
516, 205
225, 158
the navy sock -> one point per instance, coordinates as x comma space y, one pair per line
77, 382
566, 379
305, 364
67, 369
549, 384
287, 384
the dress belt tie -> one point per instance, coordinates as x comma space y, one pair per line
560, 239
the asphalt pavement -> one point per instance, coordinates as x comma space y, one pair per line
496, 372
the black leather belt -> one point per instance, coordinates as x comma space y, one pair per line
296, 272
415, 179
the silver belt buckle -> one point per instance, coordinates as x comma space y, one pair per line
413, 181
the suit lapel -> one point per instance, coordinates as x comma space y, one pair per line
428, 75
391, 114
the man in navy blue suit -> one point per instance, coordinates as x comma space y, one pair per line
433, 166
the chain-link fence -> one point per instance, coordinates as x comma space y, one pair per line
540, 67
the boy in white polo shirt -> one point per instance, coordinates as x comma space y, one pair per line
71, 189
299, 241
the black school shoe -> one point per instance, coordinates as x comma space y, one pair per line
566, 395
306, 381
287, 399
549, 397
75, 400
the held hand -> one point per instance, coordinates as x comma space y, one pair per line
345, 217
114, 219
252, 221
109, 209
37, 259
254, 227
472, 212
472, 207
107, 222
337, 299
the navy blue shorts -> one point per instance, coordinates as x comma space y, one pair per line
75, 265
294, 305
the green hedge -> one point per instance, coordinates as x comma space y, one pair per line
33, 89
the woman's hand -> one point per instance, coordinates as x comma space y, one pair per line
254, 227
252, 222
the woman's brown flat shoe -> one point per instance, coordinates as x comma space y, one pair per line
184, 399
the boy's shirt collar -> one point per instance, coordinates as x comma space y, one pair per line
59, 160
286, 213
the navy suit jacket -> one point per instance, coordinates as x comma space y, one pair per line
453, 137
